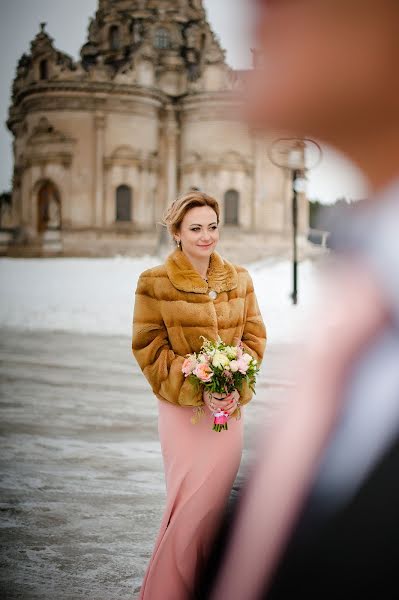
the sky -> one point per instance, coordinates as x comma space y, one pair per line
67, 23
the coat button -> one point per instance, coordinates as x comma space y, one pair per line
212, 294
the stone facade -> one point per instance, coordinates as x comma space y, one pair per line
103, 144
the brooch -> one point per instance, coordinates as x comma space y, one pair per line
212, 294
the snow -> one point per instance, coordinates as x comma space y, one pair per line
89, 295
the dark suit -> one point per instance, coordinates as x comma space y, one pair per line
352, 553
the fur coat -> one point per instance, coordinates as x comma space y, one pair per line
173, 309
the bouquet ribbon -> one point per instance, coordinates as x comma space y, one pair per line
220, 420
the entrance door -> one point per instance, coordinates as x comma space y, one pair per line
48, 208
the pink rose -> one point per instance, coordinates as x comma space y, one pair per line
242, 365
203, 372
189, 365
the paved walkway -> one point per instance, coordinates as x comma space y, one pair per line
82, 486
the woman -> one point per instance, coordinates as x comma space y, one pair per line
194, 293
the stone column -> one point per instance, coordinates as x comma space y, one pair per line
147, 200
99, 128
171, 154
66, 203
258, 192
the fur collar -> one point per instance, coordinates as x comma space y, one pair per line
222, 275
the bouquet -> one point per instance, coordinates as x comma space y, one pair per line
220, 368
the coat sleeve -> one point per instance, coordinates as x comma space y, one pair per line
254, 334
150, 346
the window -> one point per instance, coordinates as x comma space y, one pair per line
123, 203
43, 69
231, 206
136, 31
162, 39
114, 37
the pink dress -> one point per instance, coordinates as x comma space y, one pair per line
200, 468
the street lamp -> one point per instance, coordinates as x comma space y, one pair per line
295, 154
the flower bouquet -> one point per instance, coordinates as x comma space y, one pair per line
220, 368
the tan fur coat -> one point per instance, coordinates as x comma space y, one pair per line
172, 309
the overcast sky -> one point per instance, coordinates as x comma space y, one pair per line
67, 23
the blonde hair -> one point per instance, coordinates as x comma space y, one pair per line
176, 212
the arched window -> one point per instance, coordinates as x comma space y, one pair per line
162, 39
43, 69
231, 207
123, 203
114, 37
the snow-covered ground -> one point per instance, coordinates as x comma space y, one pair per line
89, 295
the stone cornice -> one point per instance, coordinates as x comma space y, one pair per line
211, 106
50, 157
96, 97
195, 100
90, 87
217, 166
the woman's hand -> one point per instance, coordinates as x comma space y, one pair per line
217, 401
234, 399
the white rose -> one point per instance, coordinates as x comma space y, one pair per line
220, 360
234, 366
231, 352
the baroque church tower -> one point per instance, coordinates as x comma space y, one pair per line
103, 144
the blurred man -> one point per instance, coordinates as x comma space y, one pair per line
319, 517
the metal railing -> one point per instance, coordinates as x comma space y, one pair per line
318, 237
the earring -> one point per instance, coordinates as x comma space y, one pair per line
178, 243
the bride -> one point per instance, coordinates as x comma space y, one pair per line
194, 293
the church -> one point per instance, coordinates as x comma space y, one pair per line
103, 144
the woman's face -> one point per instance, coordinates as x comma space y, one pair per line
199, 232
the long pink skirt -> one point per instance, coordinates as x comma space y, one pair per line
200, 468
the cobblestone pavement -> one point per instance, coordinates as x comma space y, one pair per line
82, 486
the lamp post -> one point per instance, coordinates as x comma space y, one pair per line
293, 154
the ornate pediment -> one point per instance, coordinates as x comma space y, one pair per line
43, 43
45, 133
125, 153
47, 144
127, 156
43, 65
42, 48
236, 161
192, 158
